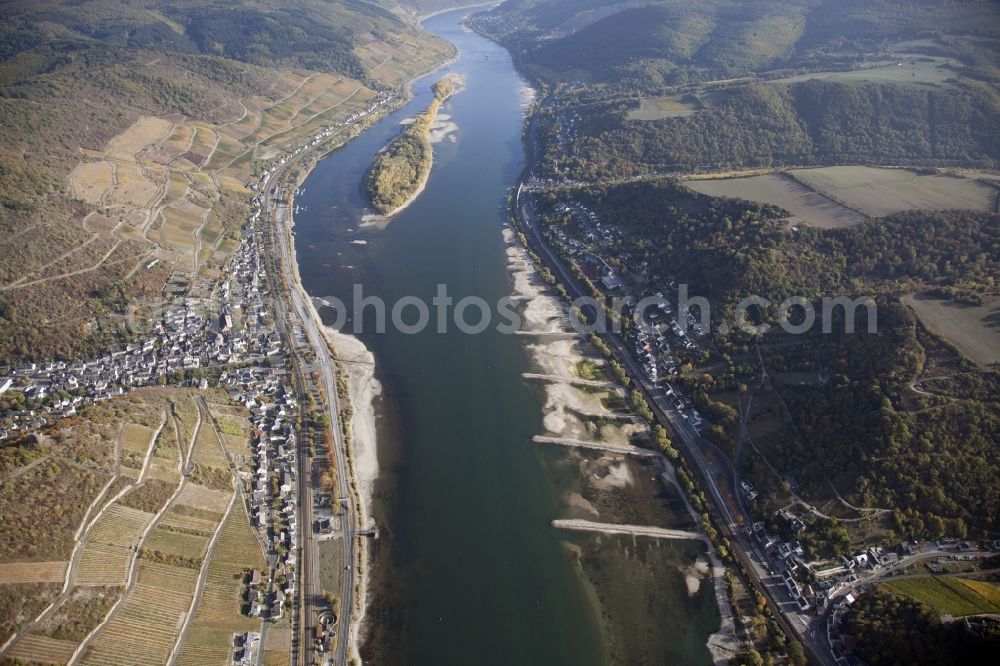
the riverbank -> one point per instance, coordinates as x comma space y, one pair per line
481, 5
557, 352
563, 407
355, 365
607, 487
461, 476
400, 172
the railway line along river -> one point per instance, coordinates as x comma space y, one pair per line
468, 568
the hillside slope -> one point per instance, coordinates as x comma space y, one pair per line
672, 42
129, 128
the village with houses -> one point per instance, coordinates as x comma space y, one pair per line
190, 341
666, 341
232, 339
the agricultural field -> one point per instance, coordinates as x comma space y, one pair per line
68, 477
143, 572
155, 609
804, 205
170, 543
877, 192
949, 596
120, 166
90, 181
658, 108
32, 572
207, 449
908, 70
137, 438
401, 57
842, 196
109, 546
218, 615
148, 620
145, 132
42, 649
973, 329
202, 498
989, 591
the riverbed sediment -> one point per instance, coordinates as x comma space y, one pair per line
472, 498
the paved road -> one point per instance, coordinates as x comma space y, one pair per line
309, 569
799, 626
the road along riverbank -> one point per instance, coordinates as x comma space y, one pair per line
468, 567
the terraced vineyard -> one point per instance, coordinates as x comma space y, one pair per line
218, 615
208, 451
135, 438
148, 146
148, 538
149, 619
110, 546
42, 649
174, 189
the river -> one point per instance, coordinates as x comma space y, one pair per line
467, 569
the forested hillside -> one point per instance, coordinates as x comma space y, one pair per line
752, 84
305, 33
814, 122
863, 428
872, 436
672, 42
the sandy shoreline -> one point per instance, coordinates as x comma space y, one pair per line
545, 312
363, 389
567, 409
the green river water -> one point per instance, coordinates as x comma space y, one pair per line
468, 569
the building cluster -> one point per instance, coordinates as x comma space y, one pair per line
588, 242
188, 341
325, 632
245, 647
229, 339
380, 101
788, 559
272, 483
188, 334
828, 579
750, 494
567, 128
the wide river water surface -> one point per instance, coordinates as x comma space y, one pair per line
467, 569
